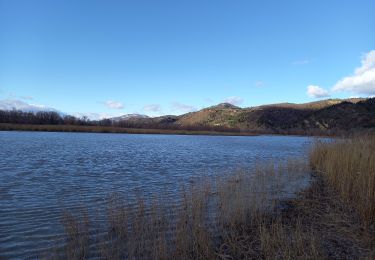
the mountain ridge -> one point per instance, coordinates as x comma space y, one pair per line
324, 115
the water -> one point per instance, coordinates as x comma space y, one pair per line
43, 173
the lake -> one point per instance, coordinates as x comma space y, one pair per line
43, 173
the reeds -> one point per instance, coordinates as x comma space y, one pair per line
77, 235
120, 130
349, 166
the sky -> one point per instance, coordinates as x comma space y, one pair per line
108, 58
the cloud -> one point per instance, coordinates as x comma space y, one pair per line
114, 104
363, 79
316, 92
152, 108
300, 62
10, 104
234, 100
183, 108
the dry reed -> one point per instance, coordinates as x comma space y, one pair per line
349, 166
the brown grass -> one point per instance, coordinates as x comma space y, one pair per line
349, 166
77, 234
113, 129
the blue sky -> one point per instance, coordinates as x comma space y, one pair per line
170, 57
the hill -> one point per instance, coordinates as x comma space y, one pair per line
330, 114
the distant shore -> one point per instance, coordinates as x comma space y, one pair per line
112, 129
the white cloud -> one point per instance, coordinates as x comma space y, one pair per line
316, 92
363, 79
10, 104
183, 108
234, 100
152, 108
114, 104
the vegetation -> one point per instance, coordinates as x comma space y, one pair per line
349, 166
39, 118
326, 116
53, 121
116, 129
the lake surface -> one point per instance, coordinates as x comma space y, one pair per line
43, 173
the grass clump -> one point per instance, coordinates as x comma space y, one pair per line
348, 165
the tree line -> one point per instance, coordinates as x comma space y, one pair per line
39, 118
54, 118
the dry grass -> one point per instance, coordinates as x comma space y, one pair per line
338, 228
114, 129
77, 231
349, 166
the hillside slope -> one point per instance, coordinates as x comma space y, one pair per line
328, 114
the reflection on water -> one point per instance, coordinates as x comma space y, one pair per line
43, 173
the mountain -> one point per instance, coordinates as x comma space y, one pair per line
273, 116
344, 115
223, 114
316, 104
330, 114
223, 106
341, 115
128, 117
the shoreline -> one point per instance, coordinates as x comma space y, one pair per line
113, 130
127, 130
324, 223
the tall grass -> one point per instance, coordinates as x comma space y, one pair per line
349, 166
233, 216
117, 129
